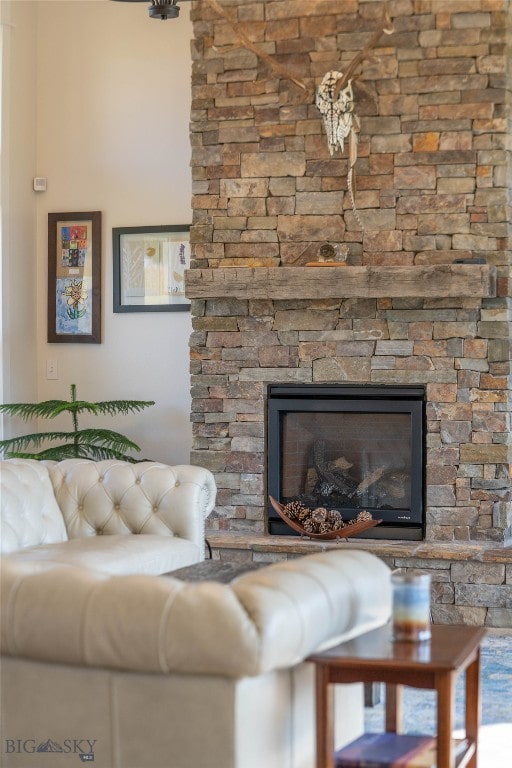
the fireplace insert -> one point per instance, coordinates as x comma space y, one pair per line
350, 448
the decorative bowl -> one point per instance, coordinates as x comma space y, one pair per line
340, 533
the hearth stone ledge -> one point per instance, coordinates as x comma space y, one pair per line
458, 568
255, 544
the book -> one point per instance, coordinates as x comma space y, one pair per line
392, 750
426, 758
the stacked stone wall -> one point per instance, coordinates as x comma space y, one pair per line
432, 184
238, 347
431, 173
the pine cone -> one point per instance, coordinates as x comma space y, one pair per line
318, 520
309, 526
335, 520
364, 516
319, 515
295, 509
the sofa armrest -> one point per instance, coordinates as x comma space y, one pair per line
116, 497
30, 515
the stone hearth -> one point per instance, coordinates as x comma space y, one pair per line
470, 581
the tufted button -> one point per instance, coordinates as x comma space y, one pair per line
137, 481
117, 506
155, 510
176, 483
99, 532
80, 507
100, 479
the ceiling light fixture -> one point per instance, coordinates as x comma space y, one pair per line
160, 9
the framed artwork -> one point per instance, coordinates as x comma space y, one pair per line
74, 277
149, 268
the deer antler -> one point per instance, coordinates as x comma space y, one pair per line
386, 27
246, 43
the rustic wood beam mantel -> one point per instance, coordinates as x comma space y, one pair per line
439, 281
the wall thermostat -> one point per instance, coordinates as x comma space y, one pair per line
39, 184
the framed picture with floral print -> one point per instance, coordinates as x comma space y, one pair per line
74, 277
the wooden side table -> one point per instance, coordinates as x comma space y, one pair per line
434, 664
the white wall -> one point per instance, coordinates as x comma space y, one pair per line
113, 105
18, 205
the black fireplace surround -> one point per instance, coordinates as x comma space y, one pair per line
351, 448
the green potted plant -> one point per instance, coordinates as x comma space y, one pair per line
94, 444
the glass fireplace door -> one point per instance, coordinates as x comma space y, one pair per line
347, 453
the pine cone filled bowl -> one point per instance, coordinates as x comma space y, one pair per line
321, 523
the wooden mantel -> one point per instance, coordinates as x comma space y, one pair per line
439, 281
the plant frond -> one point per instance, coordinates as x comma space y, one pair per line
105, 438
99, 453
22, 441
87, 438
48, 409
112, 407
108, 407
61, 452
55, 453
81, 406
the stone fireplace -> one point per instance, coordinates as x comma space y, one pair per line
240, 346
424, 297
348, 448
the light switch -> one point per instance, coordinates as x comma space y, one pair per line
52, 369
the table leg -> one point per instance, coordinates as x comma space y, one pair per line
394, 708
473, 705
445, 716
324, 719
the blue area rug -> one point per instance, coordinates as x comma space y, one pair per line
496, 690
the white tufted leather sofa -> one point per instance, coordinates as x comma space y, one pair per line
111, 516
147, 671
